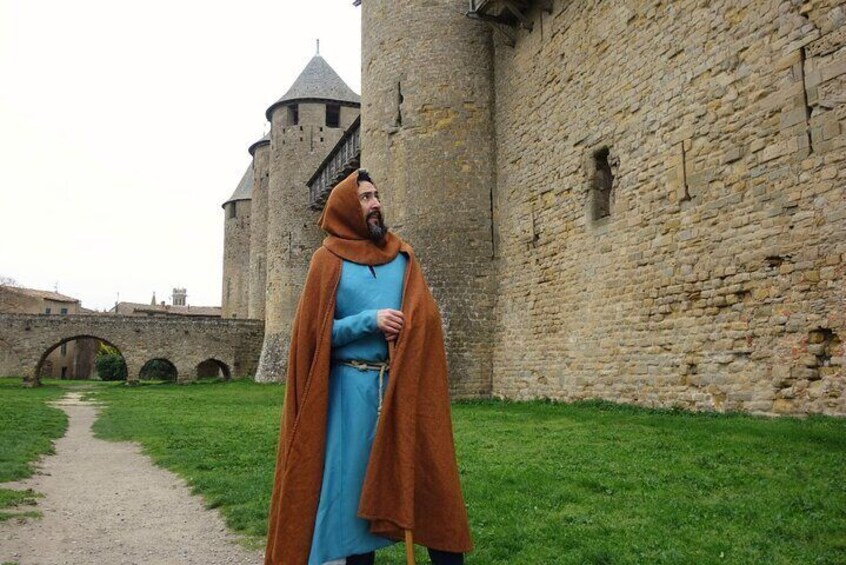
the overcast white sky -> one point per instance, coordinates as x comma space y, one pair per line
125, 125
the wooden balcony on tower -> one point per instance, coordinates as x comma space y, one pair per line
340, 162
506, 16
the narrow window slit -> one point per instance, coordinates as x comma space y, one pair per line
603, 182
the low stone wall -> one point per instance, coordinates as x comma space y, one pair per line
26, 339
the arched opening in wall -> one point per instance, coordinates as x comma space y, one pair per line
213, 369
82, 357
158, 370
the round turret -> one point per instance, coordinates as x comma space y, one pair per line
318, 97
306, 123
427, 140
260, 151
236, 249
263, 142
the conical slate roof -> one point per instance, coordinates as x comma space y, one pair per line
318, 81
254, 146
245, 187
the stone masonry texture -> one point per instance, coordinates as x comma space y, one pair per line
258, 231
636, 201
428, 141
73, 361
292, 232
716, 283
236, 259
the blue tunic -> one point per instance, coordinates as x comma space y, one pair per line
353, 402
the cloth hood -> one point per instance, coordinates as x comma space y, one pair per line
348, 236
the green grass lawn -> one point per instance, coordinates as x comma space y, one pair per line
546, 483
27, 429
601, 483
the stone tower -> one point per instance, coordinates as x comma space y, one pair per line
260, 151
428, 141
236, 249
178, 298
306, 123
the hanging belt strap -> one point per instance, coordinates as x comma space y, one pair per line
372, 366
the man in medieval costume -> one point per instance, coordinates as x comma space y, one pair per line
366, 451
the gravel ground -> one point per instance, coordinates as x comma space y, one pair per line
106, 503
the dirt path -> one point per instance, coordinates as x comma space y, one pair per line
106, 503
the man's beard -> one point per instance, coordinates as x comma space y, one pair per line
378, 230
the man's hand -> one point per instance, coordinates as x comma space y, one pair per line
390, 322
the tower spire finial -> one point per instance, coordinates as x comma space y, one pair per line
318, 47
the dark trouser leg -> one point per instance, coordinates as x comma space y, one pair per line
439, 557
363, 559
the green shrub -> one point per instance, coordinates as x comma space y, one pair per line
110, 364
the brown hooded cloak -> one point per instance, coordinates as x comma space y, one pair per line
412, 477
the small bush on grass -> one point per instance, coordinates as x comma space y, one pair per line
110, 364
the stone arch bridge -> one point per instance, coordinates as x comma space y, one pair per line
233, 345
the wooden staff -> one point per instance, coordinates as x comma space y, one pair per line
409, 548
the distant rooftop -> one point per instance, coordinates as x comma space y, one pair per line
318, 81
262, 141
45, 294
134, 308
245, 187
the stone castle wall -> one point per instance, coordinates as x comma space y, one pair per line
641, 201
428, 141
716, 282
236, 260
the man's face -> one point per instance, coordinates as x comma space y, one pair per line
371, 208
